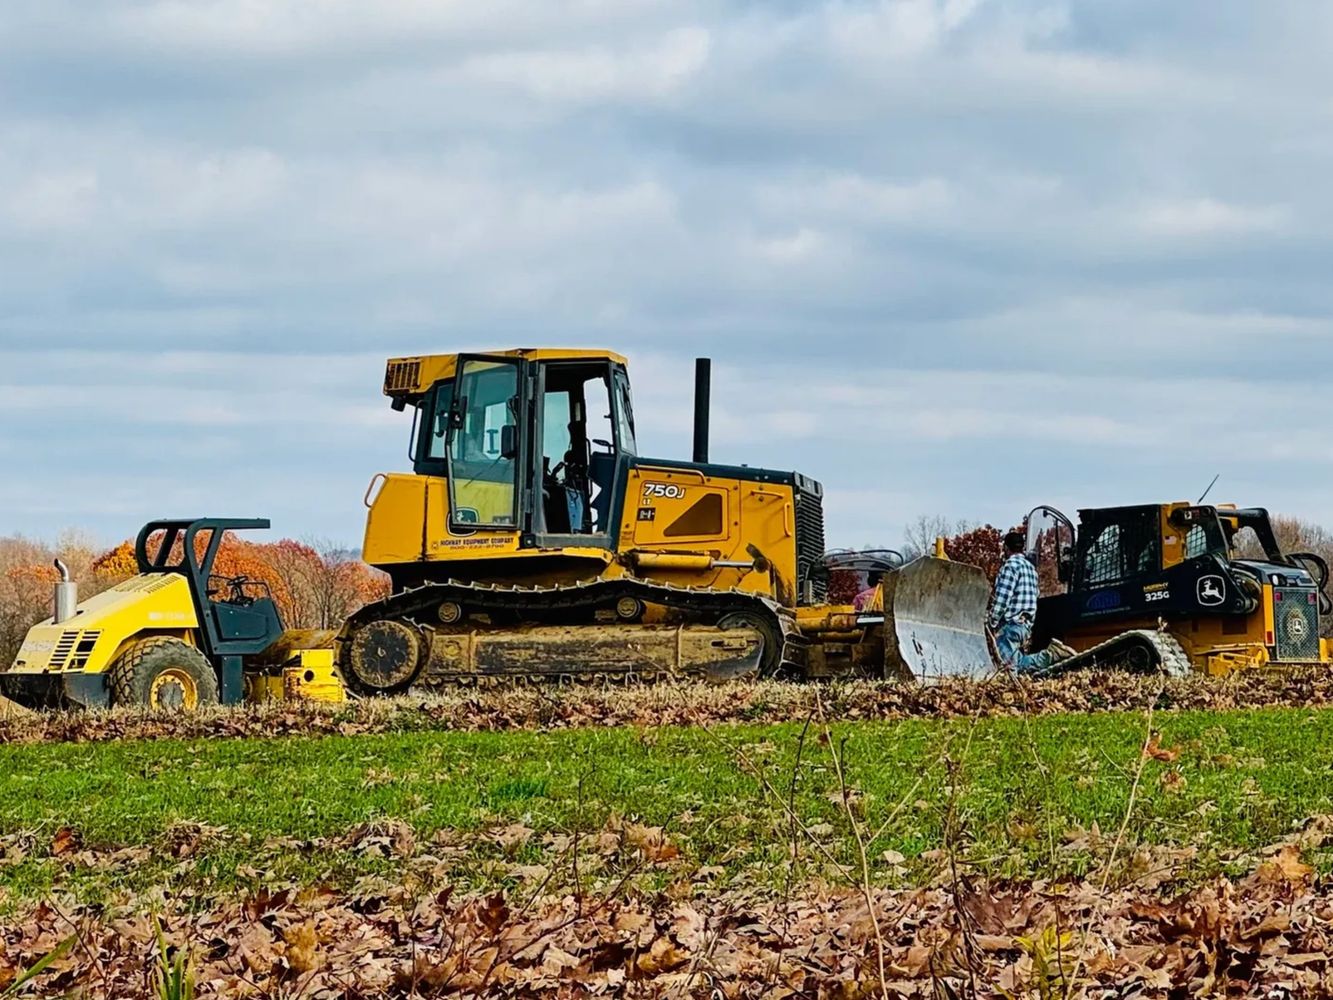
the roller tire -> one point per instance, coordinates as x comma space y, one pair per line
132, 677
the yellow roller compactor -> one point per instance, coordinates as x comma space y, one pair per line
533, 540
174, 637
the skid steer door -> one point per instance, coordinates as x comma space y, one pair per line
486, 444
1050, 547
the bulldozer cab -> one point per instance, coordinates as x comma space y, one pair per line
237, 615
532, 444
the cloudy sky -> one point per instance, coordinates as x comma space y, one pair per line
954, 256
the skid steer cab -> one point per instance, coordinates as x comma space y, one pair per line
175, 637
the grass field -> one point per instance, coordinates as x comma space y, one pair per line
1009, 798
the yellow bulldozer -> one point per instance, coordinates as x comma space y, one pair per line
532, 539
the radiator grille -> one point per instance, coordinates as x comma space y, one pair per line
73, 649
402, 376
811, 582
84, 649
144, 584
1296, 622
64, 646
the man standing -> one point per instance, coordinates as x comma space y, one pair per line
1014, 608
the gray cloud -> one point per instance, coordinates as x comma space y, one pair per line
955, 255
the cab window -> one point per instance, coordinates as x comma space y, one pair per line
624, 415
582, 433
1128, 547
483, 444
432, 428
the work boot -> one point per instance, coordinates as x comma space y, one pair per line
1059, 651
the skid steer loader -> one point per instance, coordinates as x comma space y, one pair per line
1166, 586
174, 637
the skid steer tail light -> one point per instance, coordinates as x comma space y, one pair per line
1268, 638
1277, 597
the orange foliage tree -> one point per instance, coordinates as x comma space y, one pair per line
844, 585
116, 564
983, 546
27, 573
313, 587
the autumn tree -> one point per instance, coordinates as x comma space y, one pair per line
844, 585
27, 577
116, 564
919, 536
983, 546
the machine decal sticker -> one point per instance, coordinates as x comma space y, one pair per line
647, 513
1212, 591
668, 491
464, 515
1104, 600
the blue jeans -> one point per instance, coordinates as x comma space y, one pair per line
1011, 640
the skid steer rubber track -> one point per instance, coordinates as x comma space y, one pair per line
444, 616
1139, 651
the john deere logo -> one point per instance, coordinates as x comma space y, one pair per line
1297, 627
1212, 591
463, 515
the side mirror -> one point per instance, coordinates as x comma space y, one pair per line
508, 442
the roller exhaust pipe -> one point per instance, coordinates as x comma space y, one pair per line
66, 595
703, 385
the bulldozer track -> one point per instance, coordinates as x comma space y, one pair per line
514, 607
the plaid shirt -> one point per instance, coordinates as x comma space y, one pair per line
1016, 591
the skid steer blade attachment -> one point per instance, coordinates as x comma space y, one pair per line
935, 621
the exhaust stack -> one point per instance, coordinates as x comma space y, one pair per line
66, 595
703, 384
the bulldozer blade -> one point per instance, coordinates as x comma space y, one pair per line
935, 621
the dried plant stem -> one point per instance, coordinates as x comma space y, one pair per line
867, 890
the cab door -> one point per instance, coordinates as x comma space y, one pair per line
486, 446
582, 440
1050, 548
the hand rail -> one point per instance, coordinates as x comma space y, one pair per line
380, 478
